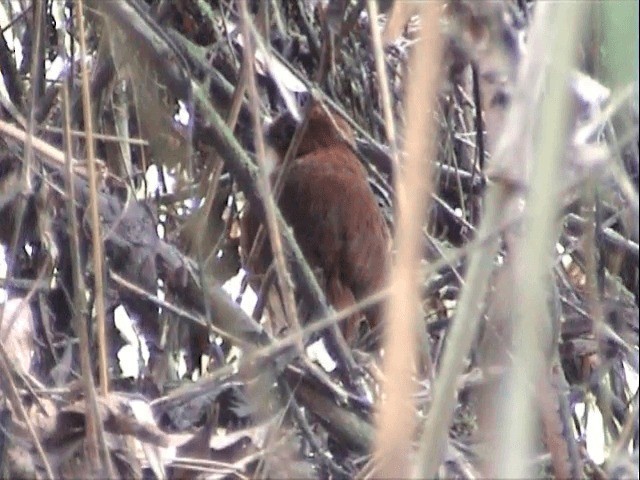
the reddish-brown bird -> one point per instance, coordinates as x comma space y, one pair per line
336, 220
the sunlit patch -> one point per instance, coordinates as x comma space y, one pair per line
152, 179
632, 377
595, 434
160, 230
249, 297
10, 38
181, 363
3, 273
54, 69
127, 359
317, 351
182, 117
135, 353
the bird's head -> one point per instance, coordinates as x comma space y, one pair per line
324, 130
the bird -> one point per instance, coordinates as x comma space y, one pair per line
327, 201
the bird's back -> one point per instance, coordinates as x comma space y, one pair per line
335, 218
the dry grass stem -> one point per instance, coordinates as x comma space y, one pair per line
132, 175
397, 417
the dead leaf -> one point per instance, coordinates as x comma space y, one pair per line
17, 332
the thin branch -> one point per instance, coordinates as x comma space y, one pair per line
533, 327
93, 426
264, 185
12, 391
397, 420
96, 237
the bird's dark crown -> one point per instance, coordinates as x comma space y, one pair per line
323, 130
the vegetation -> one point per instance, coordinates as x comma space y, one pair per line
501, 142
